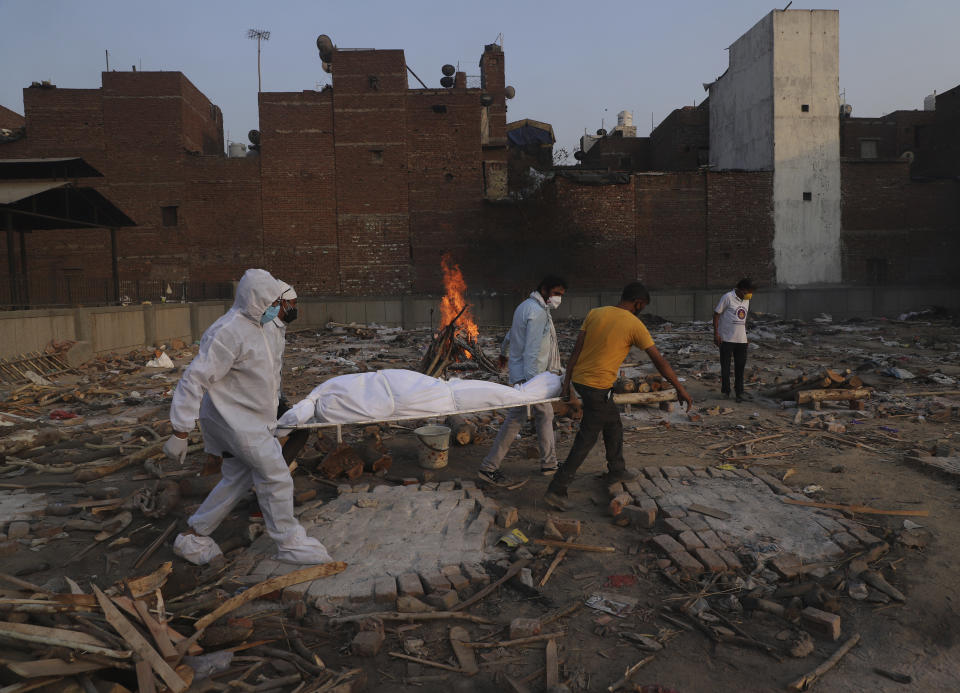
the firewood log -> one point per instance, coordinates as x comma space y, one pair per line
464, 432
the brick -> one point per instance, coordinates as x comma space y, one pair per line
618, 503
667, 544
696, 522
408, 604
385, 590
674, 511
649, 488
18, 530
468, 485
634, 489
362, 592
643, 515
367, 643
615, 489
443, 599
456, 578
787, 565
846, 541
690, 540
821, 623
653, 473
730, 558
447, 486
711, 560
700, 473
684, 472
675, 526
711, 540
434, 582
409, 583
476, 574
671, 472
686, 563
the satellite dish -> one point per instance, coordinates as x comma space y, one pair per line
601, 132
448, 70
486, 99
446, 82
908, 156
325, 47
254, 136
327, 67
509, 92
578, 155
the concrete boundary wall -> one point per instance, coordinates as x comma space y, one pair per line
122, 328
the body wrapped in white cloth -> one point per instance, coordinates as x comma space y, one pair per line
401, 394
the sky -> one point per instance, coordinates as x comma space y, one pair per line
573, 64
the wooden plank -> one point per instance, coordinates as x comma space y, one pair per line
52, 667
805, 396
271, 585
570, 545
158, 632
552, 666
145, 681
138, 643
863, 509
646, 397
465, 655
59, 637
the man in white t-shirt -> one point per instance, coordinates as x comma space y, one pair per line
730, 334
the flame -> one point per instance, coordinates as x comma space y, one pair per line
454, 300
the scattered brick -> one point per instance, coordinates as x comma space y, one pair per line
409, 583
642, 515
730, 558
447, 486
675, 526
615, 489
696, 522
671, 472
456, 578
653, 473
711, 540
476, 574
846, 541
690, 540
667, 544
367, 643
821, 623
649, 488
711, 560
674, 511
686, 563
385, 590
787, 565
18, 530
618, 503
407, 604
434, 582
443, 600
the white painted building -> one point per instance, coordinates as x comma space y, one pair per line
776, 108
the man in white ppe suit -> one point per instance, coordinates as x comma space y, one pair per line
530, 348
232, 388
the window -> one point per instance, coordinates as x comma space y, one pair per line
805, 108
869, 149
169, 215
376, 156
807, 197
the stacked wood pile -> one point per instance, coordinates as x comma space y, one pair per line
649, 389
450, 347
825, 386
140, 634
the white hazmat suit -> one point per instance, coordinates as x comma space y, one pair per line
232, 387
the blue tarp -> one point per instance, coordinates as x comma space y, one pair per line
528, 134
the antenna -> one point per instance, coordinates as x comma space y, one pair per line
107, 53
259, 35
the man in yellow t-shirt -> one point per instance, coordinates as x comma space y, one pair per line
604, 342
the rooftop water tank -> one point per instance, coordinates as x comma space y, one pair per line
930, 102
624, 118
237, 150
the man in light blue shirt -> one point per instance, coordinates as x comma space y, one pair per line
530, 348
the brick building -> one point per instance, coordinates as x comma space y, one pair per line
358, 189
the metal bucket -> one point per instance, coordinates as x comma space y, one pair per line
434, 443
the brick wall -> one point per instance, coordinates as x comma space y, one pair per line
681, 142
10, 120
898, 230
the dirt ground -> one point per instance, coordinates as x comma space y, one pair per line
919, 638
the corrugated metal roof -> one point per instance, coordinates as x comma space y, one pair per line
15, 190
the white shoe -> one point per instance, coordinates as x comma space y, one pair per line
196, 549
305, 551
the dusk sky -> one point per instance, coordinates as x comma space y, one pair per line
572, 63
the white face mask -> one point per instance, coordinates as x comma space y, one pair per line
554, 301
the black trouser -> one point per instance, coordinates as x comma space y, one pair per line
739, 353
600, 414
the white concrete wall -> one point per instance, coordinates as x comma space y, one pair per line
741, 104
806, 241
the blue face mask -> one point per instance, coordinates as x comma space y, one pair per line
269, 314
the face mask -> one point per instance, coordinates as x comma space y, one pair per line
554, 301
289, 315
747, 296
636, 310
269, 314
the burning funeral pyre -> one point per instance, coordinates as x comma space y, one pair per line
456, 340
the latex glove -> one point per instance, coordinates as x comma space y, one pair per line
176, 448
